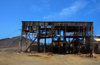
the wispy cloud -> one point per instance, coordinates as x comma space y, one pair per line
74, 8
77, 6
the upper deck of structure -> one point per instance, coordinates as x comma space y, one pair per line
26, 25
56, 23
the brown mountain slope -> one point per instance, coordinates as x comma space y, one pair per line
10, 42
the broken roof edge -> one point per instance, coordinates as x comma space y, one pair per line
59, 21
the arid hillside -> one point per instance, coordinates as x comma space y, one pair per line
9, 42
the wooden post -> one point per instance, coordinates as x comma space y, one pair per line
20, 43
26, 39
91, 43
38, 36
45, 39
52, 37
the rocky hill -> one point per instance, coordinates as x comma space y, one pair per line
10, 42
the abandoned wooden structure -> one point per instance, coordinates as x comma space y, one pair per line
64, 36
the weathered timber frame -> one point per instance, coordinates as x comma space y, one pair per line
75, 35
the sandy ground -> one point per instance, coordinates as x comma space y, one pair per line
14, 58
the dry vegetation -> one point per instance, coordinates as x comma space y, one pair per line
13, 58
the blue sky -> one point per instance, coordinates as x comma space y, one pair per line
12, 12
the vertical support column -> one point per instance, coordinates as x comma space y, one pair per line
38, 37
52, 37
26, 39
92, 38
20, 43
45, 39
59, 32
83, 31
64, 39
79, 41
65, 34
29, 35
91, 43
32, 36
68, 45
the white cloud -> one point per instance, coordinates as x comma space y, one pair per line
77, 6
74, 8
